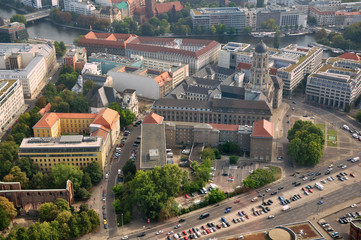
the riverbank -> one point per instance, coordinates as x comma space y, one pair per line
17, 9
72, 27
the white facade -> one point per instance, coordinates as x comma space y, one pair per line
92, 68
104, 3
37, 61
296, 62
32, 3
145, 86
79, 7
233, 53
11, 102
335, 84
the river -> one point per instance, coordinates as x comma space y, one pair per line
46, 29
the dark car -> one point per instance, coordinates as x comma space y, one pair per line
310, 174
142, 234
280, 188
312, 179
297, 184
318, 173
274, 193
181, 220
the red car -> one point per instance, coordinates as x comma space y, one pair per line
303, 189
184, 233
208, 232
247, 216
190, 231
298, 195
203, 227
185, 238
310, 190
121, 145
218, 226
187, 196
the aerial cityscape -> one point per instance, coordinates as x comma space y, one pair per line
165, 119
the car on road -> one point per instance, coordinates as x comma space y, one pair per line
184, 233
354, 205
270, 217
310, 174
280, 188
294, 102
274, 193
181, 220
177, 226
318, 173
124, 238
105, 226
310, 190
186, 196
267, 190
227, 210
320, 202
105, 222
352, 175
171, 232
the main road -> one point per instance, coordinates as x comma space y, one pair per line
335, 193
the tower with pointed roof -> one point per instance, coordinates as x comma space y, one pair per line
259, 76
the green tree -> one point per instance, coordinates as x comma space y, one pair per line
347, 108
358, 115
5, 168
215, 196
213, 30
95, 172
82, 194
311, 21
48, 212
147, 29
306, 143
62, 204
41, 102
60, 48
18, 18
93, 218
8, 207
217, 153
230, 148
40, 181
16, 175
247, 29
233, 159
86, 181
129, 171
126, 116
276, 40
60, 173
208, 153
88, 84
4, 220
264, 25
258, 178
320, 34
26, 165
21, 128
63, 217
271, 24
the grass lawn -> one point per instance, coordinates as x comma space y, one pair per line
332, 143
322, 126
331, 132
276, 172
331, 138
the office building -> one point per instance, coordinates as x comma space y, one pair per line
110, 61
344, 19
81, 7
283, 16
336, 84
152, 8
112, 14
294, 62
233, 53
130, 101
76, 58
194, 52
13, 32
232, 17
92, 68
31, 63
11, 102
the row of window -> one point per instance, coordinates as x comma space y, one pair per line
68, 160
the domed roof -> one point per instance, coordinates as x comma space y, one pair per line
261, 47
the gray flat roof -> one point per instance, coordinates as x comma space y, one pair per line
153, 137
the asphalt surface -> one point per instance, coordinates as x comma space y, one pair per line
296, 214
116, 164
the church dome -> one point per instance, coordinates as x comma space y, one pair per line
261, 47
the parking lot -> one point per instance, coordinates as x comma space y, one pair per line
332, 220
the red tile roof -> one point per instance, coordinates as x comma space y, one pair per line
47, 121
153, 118
262, 128
243, 65
351, 56
105, 39
141, 44
273, 71
100, 133
225, 127
45, 109
161, 8
107, 117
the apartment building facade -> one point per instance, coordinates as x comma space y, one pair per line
324, 15
335, 84
76, 58
79, 7
11, 102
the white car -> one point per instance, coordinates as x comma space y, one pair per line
344, 166
331, 165
267, 190
305, 178
305, 192
124, 238
169, 233
354, 205
271, 216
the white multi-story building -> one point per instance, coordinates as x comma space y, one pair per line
233, 53
294, 62
325, 16
335, 84
79, 7
11, 102
235, 17
31, 63
32, 3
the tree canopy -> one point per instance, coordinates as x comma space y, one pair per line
18, 18
258, 178
126, 116
306, 143
8, 207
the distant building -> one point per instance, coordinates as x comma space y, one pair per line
78, 86
92, 68
335, 84
30, 199
233, 53
231, 17
99, 97
111, 14
31, 63
32, 3
76, 58
130, 101
262, 140
99, 80
79, 7
13, 32
324, 16
344, 19
154, 9
283, 16
11, 102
